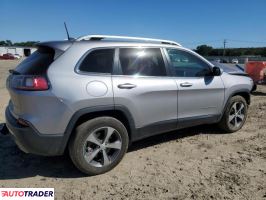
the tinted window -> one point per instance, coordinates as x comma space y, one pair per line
139, 61
186, 64
98, 61
37, 63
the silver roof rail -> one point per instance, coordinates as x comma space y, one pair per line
101, 37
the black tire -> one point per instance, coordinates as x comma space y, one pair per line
224, 124
82, 132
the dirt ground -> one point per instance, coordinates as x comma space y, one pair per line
194, 163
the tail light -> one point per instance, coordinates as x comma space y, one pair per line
22, 122
33, 83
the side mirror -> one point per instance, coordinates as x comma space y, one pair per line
216, 71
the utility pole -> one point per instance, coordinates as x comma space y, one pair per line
224, 47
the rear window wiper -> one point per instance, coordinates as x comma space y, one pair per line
12, 71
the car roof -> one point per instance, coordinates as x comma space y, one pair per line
65, 44
126, 38
110, 40
124, 43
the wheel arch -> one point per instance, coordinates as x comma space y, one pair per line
121, 113
244, 93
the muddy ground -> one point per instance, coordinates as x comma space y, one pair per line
195, 163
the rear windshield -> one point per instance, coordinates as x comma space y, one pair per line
37, 63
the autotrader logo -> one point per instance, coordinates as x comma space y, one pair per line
27, 193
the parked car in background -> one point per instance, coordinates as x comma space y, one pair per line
224, 61
234, 61
113, 93
7, 56
217, 60
17, 56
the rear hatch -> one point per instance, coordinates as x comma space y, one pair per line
37, 63
29, 79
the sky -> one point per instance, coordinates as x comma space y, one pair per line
190, 22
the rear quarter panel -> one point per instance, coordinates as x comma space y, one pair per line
77, 91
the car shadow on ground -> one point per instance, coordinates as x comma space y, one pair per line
17, 165
174, 135
257, 93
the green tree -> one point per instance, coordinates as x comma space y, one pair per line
26, 44
8, 43
204, 50
3, 43
263, 53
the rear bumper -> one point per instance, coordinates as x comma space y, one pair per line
30, 140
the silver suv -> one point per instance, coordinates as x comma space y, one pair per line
95, 95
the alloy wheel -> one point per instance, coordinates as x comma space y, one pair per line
102, 147
237, 114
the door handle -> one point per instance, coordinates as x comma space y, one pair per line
186, 84
126, 86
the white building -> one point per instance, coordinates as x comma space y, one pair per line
22, 51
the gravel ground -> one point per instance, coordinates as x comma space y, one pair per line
194, 163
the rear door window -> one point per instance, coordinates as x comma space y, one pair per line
37, 63
142, 61
98, 61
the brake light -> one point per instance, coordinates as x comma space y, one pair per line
34, 83
22, 122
